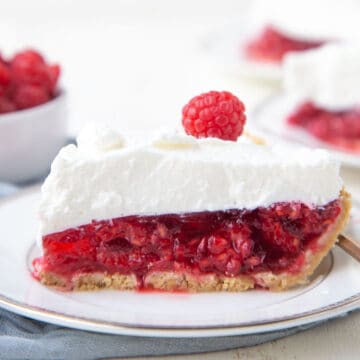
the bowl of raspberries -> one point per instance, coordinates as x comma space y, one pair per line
32, 115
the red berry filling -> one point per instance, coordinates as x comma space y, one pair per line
271, 45
214, 114
339, 128
227, 243
26, 80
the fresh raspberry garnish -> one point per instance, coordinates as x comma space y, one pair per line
30, 95
214, 114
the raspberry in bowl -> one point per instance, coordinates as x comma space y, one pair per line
202, 211
32, 116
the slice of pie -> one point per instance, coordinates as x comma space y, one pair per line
184, 213
325, 84
273, 29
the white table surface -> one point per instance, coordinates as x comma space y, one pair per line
134, 64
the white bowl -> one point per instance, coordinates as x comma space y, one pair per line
30, 139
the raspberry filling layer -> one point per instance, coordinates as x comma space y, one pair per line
339, 128
271, 45
227, 243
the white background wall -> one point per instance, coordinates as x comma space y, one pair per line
129, 62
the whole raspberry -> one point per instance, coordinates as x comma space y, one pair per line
4, 74
27, 96
6, 105
31, 72
54, 72
214, 114
29, 55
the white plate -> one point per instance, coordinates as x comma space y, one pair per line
225, 48
333, 291
269, 119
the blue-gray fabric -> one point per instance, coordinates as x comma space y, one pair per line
23, 338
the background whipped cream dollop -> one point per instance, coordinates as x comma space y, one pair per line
176, 173
328, 76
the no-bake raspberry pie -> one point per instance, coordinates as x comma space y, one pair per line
180, 212
273, 29
326, 86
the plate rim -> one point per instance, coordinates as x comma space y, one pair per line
88, 324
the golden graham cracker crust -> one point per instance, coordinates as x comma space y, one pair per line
168, 280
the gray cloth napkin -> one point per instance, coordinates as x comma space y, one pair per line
23, 338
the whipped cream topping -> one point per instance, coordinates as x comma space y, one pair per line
96, 138
328, 76
177, 173
308, 19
